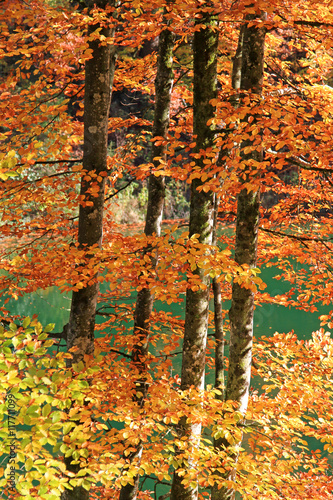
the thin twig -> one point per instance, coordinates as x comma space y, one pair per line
294, 237
181, 76
50, 162
119, 190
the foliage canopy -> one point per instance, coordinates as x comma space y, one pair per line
88, 411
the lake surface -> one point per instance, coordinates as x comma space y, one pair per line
54, 307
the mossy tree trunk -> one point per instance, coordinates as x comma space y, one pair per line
156, 196
251, 52
99, 73
201, 222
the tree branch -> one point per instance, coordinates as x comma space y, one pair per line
294, 237
299, 162
50, 162
119, 190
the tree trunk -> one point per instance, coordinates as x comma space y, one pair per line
99, 73
218, 318
156, 195
242, 307
201, 222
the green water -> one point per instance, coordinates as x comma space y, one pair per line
271, 317
53, 307
50, 305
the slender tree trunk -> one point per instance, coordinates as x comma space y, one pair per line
99, 73
201, 222
252, 41
220, 443
218, 310
218, 318
156, 195
236, 77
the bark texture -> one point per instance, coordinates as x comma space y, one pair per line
156, 185
156, 196
251, 51
99, 72
201, 222
218, 318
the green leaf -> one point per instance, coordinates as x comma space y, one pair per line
49, 327
78, 367
32, 409
49, 343
56, 417
46, 410
31, 347
27, 420
83, 384
67, 427
86, 485
26, 322
29, 464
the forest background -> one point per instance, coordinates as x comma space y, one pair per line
219, 116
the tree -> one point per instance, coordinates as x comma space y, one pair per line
154, 214
251, 53
99, 74
205, 42
86, 409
